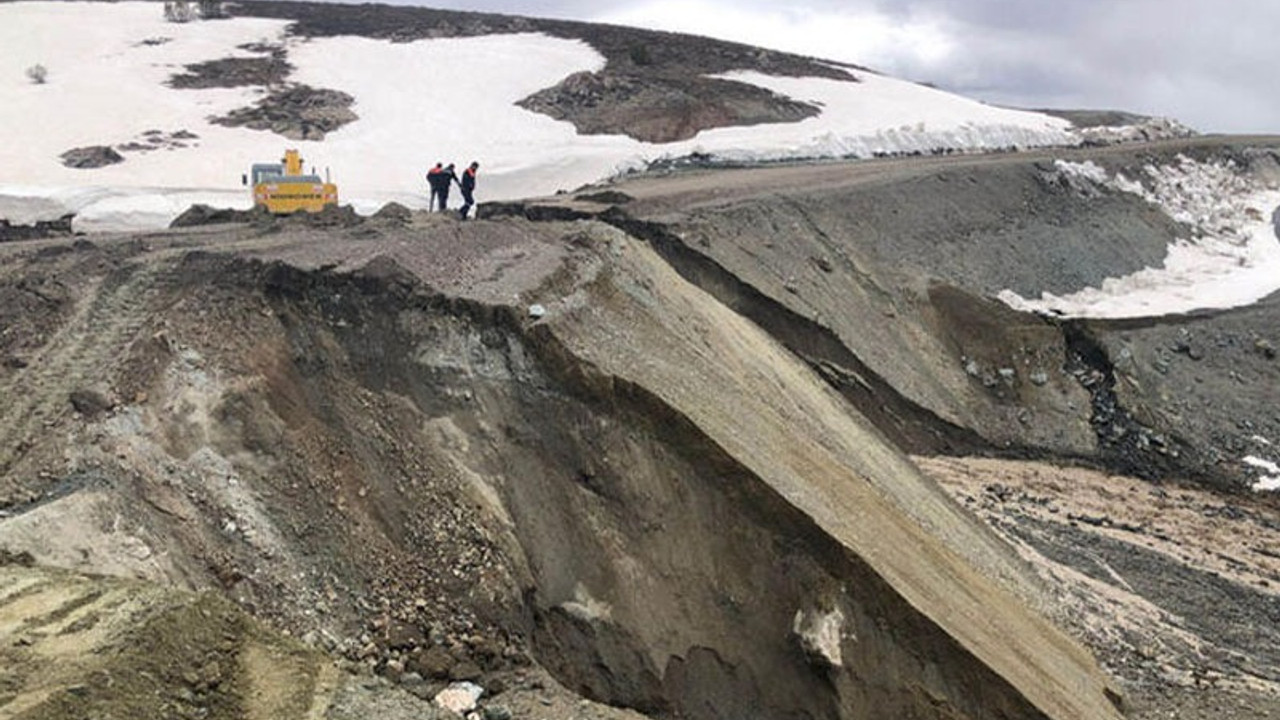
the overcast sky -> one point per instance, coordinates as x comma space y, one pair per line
1212, 64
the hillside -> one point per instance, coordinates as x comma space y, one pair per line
376, 95
759, 386
618, 438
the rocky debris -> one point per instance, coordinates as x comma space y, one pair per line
90, 402
1149, 576
662, 109
330, 216
200, 214
36, 230
94, 156
297, 112
153, 140
1127, 443
21, 558
235, 72
1265, 348
394, 213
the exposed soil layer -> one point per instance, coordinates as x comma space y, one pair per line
353, 433
921, 247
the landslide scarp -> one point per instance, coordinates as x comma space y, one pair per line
896, 266
365, 436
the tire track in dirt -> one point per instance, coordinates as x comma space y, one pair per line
83, 352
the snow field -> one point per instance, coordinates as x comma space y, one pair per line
450, 99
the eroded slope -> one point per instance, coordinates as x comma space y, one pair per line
364, 435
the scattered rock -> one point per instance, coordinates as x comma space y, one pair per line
38, 229
89, 402
297, 112
234, 72
819, 634
460, 697
197, 215
435, 663
466, 670
496, 712
393, 212
94, 156
404, 636
23, 558
1266, 349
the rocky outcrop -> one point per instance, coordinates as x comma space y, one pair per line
663, 109
94, 156
266, 71
298, 112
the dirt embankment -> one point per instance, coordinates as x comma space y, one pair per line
366, 436
881, 274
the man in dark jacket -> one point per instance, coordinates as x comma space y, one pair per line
440, 178
468, 186
447, 178
434, 176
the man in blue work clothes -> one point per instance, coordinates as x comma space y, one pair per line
468, 185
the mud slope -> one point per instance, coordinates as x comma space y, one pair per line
449, 451
881, 275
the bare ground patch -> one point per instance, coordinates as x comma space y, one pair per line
1175, 589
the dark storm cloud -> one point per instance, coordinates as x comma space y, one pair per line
1208, 63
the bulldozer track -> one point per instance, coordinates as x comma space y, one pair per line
85, 351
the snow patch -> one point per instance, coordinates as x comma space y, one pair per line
1267, 482
1231, 259
1089, 170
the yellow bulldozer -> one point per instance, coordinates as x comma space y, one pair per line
282, 188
